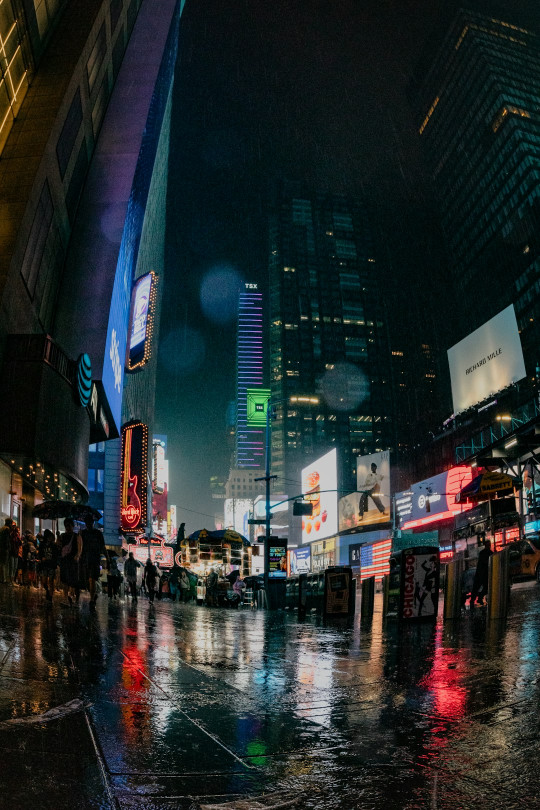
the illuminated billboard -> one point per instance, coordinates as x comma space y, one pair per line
486, 361
237, 514
143, 301
300, 560
277, 558
256, 404
319, 487
373, 485
133, 504
160, 466
433, 499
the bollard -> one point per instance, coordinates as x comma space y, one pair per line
498, 585
368, 597
452, 589
385, 588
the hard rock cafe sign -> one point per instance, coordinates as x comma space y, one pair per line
133, 507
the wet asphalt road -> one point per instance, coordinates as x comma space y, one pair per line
179, 706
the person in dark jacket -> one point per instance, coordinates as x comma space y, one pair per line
480, 584
48, 555
150, 578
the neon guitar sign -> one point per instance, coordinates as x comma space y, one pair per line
134, 462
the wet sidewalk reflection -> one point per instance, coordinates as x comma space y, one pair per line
178, 706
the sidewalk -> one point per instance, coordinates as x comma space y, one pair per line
179, 706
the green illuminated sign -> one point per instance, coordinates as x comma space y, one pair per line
257, 402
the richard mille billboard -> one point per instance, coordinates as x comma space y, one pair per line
486, 361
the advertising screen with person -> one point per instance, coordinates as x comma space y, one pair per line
373, 485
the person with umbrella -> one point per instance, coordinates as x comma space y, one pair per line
93, 548
71, 550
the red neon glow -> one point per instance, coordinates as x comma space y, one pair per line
411, 524
456, 479
131, 515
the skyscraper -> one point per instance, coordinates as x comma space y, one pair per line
478, 118
329, 348
249, 451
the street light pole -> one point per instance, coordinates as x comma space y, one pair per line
267, 479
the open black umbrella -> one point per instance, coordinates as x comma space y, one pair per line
52, 510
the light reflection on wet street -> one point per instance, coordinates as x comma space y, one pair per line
184, 706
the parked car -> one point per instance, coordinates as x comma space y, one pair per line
524, 559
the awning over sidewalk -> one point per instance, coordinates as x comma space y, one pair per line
486, 485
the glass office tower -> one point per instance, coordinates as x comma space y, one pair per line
478, 117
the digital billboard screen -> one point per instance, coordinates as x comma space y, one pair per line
319, 487
373, 485
433, 499
237, 513
301, 560
486, 361
141, 320
277, 558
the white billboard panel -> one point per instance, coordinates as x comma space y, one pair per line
237, 514
373, 485
319, 486
486, 361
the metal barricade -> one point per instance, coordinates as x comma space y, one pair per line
453, 597
498, 585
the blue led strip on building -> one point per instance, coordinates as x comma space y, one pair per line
249, 374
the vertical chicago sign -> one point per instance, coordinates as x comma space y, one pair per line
133, 504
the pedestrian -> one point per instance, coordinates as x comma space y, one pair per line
239, 588
211, 588
114, 578
15, 553
185, 586
150, 578
71, 547
481, 576
27, 559
48, 553
5, 551
93, 548
30, 549
130, 573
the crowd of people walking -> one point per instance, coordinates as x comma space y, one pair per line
77, 559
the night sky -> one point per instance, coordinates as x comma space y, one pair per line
300, 90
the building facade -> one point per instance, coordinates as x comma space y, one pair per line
87, 85
478, 120
329, 346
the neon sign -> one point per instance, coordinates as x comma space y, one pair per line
142, 321
133, 507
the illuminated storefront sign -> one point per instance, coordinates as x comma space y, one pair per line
133, 506
142, 321
319, 486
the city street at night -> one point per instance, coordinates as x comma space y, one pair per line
139, 706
